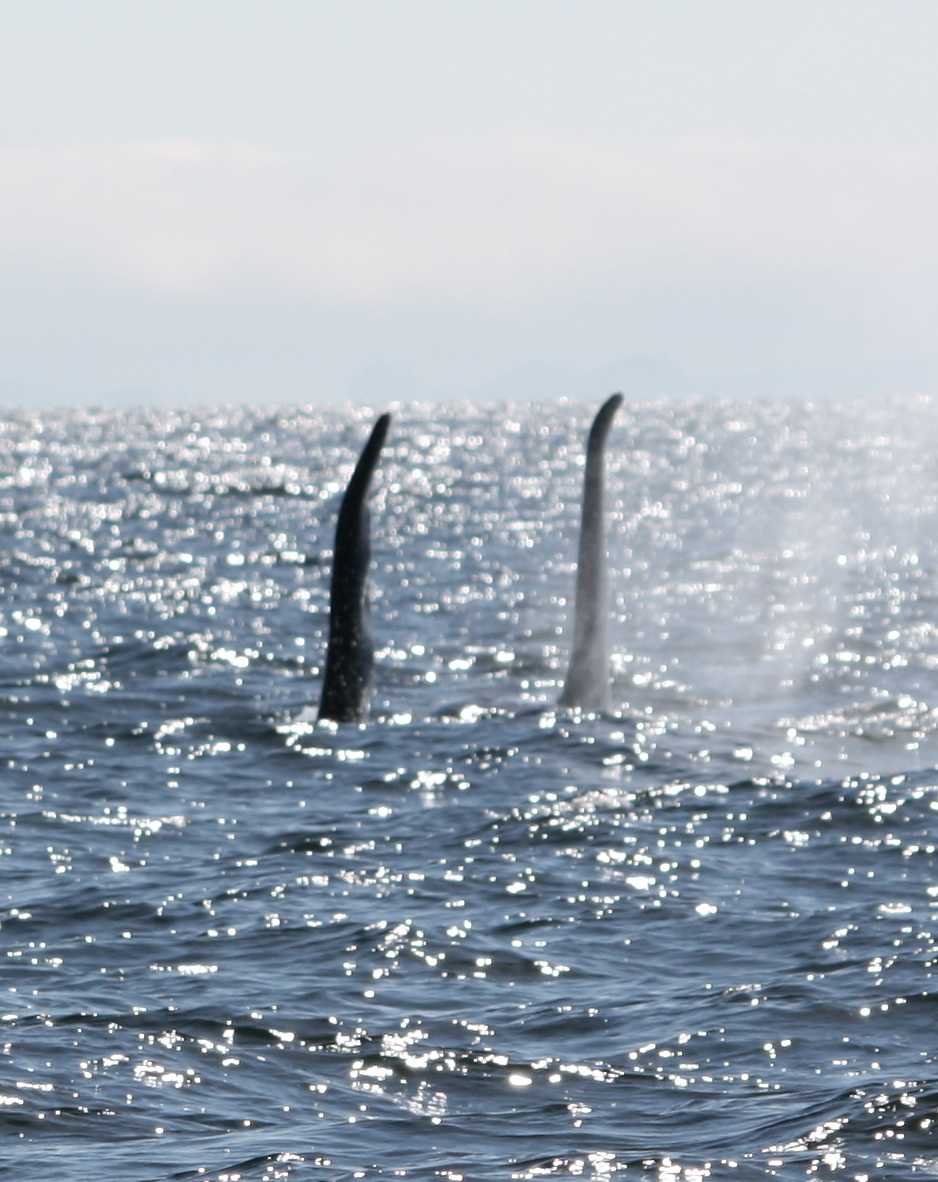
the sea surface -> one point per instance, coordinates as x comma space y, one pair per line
478, 938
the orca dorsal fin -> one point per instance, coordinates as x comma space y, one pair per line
587, 684
347, 682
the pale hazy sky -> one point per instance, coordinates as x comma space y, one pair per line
291, 200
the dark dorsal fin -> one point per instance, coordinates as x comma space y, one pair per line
346, 687
587, 683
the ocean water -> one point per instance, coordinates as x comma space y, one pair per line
478, 937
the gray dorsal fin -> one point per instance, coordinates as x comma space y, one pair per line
346, 686
587, 684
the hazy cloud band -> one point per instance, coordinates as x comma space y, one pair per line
476, 223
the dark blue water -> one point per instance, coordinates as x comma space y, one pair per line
477, 938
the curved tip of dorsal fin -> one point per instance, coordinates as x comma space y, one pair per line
368, 459
607, 412
380, 429
376, 439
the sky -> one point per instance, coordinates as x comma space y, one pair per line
323, 201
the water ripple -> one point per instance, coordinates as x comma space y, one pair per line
694, 941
